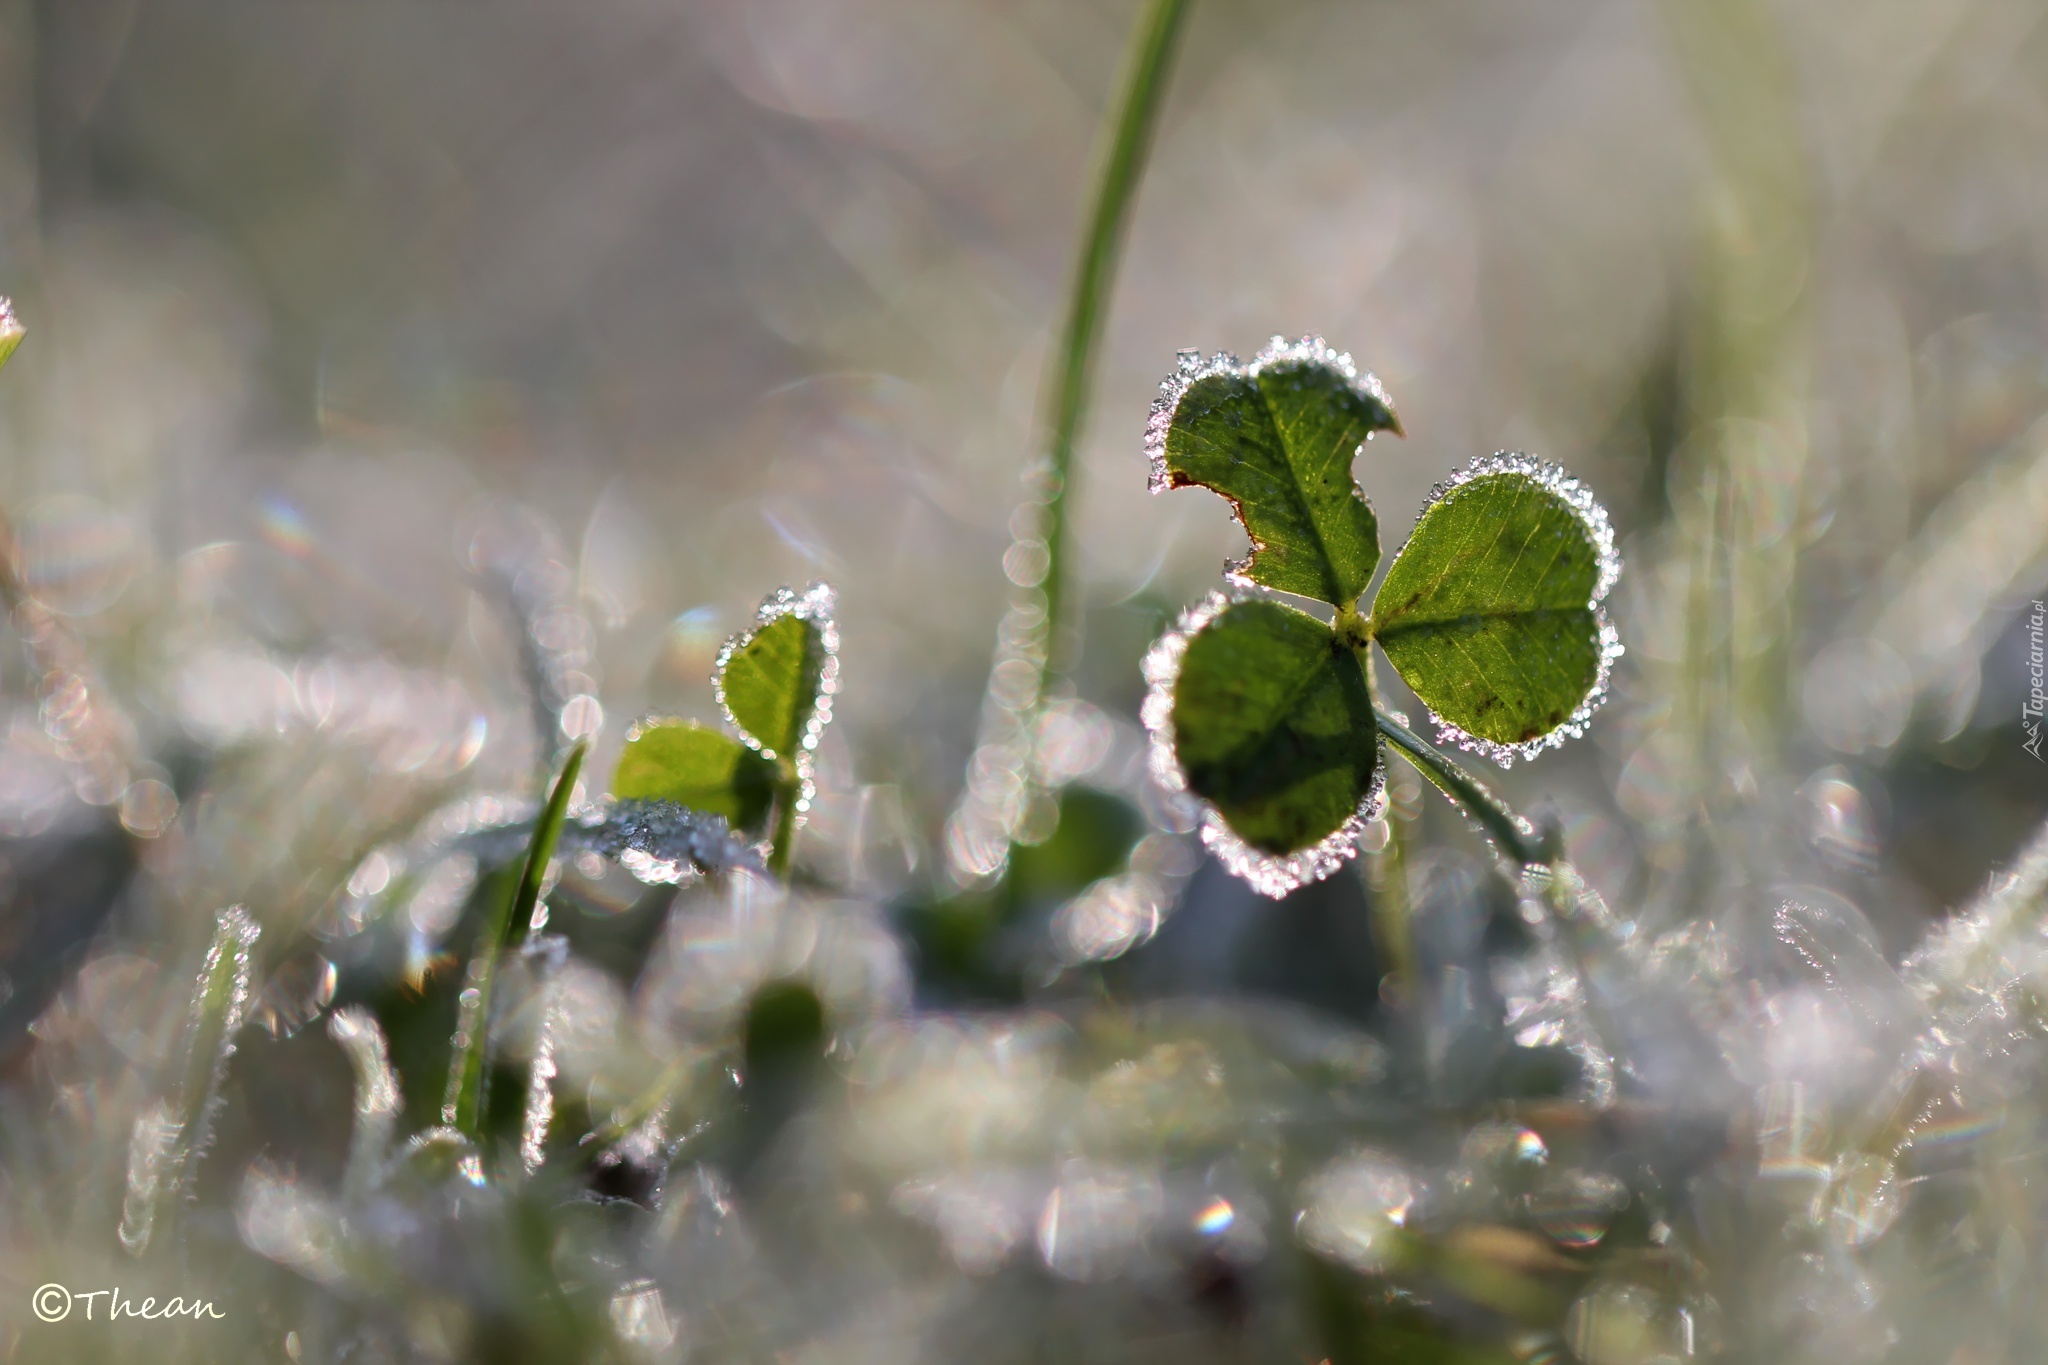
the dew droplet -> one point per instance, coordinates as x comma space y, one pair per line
1352, 1208
1096, 1218
148, 807
981, 1216
1574, 1208
75, 554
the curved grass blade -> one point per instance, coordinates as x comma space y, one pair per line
1492, 611
355, 1030
1262, 713
1277, 438
166, 1144
696, 766
463, 1109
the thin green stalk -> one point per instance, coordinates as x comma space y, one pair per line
1143, 89
1387, 873
464, 1107
783, 842
1511, 834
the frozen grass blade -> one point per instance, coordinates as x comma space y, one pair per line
356, 1031
1034, 641
463, 1109
1123, 165
166, 1144
546, 953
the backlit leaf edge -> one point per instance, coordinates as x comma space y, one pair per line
1269, 875
1592, 518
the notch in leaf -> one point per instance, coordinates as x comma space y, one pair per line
1262, 712
1277, 438
1492, 612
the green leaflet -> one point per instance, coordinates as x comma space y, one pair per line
698, 767
1272, 724
775, 682
1490, 611
1277, 438
11, 331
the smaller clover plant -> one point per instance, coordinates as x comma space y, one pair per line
775, 685
1492, 613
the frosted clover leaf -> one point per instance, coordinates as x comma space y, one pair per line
1492, 612
1277, 438
1259, 711
775, 685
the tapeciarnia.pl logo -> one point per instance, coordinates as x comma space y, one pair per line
54, 1302
2037, 694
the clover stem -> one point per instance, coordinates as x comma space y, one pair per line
1386, 871
1122, 165
1515, 837
1387, 875
783, 843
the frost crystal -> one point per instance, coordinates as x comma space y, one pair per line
230, 964
152, 1154
1593, 518
548, 952
660, 841
1268, 874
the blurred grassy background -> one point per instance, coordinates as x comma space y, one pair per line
330, 301
735, 295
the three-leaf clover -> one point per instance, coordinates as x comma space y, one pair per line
1491, 612
775, 685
